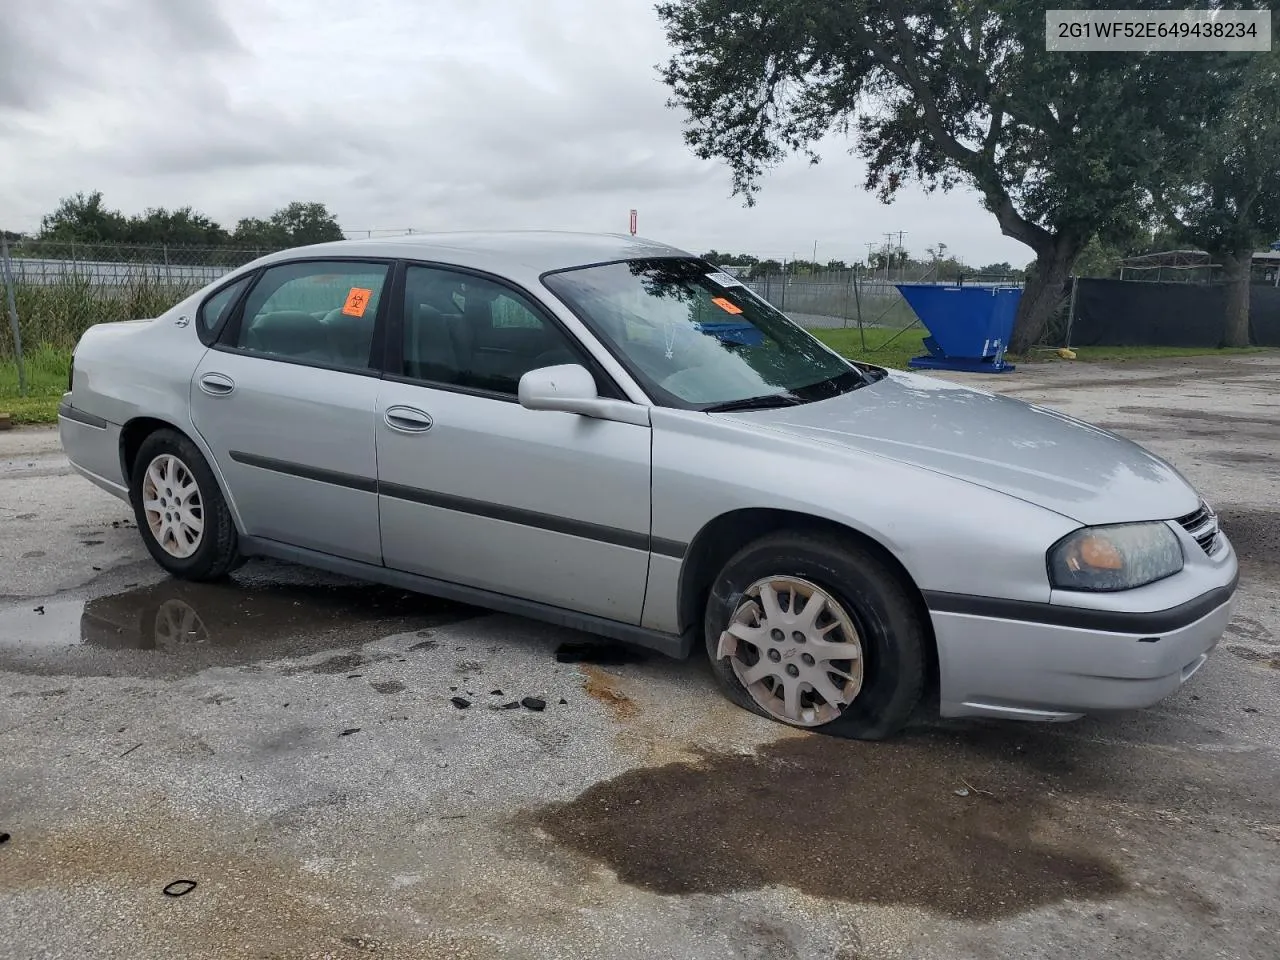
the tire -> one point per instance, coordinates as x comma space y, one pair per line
859, 592
215, 552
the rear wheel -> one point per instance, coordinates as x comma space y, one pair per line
181, 513
816, 631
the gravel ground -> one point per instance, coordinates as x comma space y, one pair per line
288, 742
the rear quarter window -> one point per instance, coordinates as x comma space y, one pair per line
215, 310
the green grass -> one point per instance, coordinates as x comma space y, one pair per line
46, 381
911, 344
885, 348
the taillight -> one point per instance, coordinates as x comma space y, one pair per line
71, 372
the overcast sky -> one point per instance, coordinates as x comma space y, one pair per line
430, 114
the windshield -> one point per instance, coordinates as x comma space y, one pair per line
698, 339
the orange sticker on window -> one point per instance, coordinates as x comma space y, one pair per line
725, 305
357, 300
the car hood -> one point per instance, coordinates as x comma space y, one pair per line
1017, 448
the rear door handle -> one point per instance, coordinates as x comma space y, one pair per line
407, 419
217, 384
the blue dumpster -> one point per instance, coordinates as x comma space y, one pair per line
969, 326
733, 332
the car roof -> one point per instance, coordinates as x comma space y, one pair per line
535, 250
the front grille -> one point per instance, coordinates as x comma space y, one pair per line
1203, 527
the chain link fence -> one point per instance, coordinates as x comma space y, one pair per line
847, 298
47, 263
54, 291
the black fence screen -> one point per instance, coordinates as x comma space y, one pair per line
1133, 313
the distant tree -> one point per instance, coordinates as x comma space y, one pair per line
1002, 269
836, 266
1222, 194
729, 259
1101, 259
181, 227
764, 268
83, 218
253, 233
1059, 146
305, 223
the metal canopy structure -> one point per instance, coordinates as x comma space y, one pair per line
1191, 266
1186, 266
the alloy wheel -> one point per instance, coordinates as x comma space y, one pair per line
795, 649
173, 506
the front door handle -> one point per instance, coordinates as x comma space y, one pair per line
217, 384
407, 419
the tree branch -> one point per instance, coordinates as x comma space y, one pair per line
924, 97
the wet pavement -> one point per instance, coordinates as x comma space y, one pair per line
287, 741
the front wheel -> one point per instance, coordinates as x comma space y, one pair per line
815, 631
181, 513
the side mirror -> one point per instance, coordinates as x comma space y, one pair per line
570, 388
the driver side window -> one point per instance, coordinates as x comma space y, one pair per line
467, 331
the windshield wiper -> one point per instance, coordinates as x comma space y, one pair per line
755, 403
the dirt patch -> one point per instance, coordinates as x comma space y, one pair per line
1239, 456
866, 823
342, 663
1255, 534
1173, 413
1255, 656
387, 686
603, 686
1250, 629
280, 909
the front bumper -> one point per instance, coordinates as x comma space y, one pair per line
1022, 669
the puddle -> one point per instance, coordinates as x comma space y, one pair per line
866, 823
239, 618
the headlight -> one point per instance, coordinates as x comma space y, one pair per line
1117, 557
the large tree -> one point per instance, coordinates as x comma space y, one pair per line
1225, 196
306, 223
84, 218
1059, 146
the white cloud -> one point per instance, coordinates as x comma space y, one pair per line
454, 114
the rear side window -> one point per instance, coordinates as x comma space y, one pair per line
317, 312
214, 311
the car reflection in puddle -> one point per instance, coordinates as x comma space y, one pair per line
233, 620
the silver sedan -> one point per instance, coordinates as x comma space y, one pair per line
611, 435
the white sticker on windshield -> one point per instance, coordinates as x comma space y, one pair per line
725, 279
